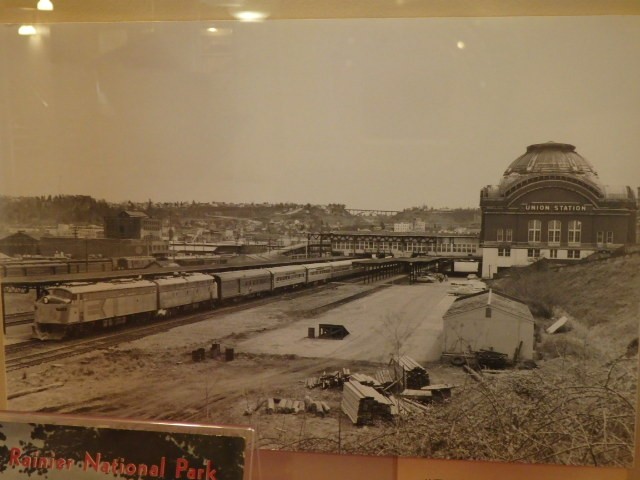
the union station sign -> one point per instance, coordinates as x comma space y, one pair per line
555, 207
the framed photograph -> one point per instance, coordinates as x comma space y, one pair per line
410, 238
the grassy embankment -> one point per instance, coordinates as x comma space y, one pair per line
600, 298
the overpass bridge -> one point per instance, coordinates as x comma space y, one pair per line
372, 213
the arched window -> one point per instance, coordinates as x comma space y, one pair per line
575, 230
534, 231
554, 229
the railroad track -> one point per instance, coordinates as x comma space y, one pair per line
21, 318
35, 352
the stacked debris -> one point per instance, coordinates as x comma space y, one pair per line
422, 396
439, 392
491, 359
284, 405
316, 406
411, 374
329, 380
287, 405
339, 377
410, 407
362, 403
366, 398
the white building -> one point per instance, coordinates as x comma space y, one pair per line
402, 227
419, 226
489, 321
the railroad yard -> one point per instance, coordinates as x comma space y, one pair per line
155, 376
290, 386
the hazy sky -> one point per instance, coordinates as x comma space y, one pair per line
371, 113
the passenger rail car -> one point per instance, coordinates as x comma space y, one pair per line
318, 272
134, 263
289, 276
242, 283
343, 268
78, 307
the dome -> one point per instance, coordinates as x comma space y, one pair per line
550, 157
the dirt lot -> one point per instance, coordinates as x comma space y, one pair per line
156, 378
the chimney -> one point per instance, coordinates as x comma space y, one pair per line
487, 311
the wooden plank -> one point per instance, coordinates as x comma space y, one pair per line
557, 325
424, 394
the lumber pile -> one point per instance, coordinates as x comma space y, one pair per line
316, 406
362, 403
384, 378
408, 406
422, 396
413, 375
364, 380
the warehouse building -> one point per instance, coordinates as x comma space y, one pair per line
19, 244
132, 225
550, 203
489, 321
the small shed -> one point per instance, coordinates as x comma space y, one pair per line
489, 321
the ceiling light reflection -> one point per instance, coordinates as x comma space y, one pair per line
250, 16
45, 5
27, 30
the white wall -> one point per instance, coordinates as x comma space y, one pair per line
502, 332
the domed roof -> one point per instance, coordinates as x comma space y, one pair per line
550, 157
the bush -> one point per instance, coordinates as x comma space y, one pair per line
568, 412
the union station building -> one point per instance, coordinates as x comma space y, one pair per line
550, 203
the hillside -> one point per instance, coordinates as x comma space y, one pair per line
275, 217
600, 296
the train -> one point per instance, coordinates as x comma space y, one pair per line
76, 308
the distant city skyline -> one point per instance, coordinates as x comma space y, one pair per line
374, 114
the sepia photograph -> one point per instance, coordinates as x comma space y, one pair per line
382, 237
